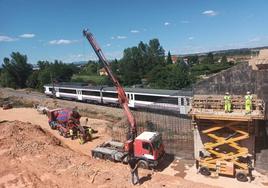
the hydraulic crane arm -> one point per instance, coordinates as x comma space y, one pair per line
123, 100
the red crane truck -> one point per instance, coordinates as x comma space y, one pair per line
147, 148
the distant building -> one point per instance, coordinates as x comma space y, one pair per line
102, 72
174, 58
185, 61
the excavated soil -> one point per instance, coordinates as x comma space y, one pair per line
34, 156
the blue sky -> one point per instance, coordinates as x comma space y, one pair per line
48, 30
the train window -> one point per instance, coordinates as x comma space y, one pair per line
67, 91
169, 100
92, 93
182, 101
147, 98
187, 101
108, 94
51, 89
157, 99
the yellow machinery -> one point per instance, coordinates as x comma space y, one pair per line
224, 142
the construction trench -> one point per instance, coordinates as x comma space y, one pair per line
183, 136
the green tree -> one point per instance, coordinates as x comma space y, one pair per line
54, 71
130, 66
169, 59
193, 60
173, 76
224, 60
16, 71
32, 81
115, 66
210, 58
156, 53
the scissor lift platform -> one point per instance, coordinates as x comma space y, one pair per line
223, 141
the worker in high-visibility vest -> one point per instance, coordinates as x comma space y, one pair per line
71, 133
248, 103
227, 103
81, 137
90, 133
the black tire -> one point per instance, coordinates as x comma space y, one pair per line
98, 155
204, 171
143, 164
94, 155
60, 132
105, 157
65, 135
240, 176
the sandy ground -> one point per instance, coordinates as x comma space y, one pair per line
34, 157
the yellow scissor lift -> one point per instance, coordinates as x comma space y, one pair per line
224, 142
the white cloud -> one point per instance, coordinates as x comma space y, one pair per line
184, 21
4, 38
134, 31
108, 45
112, 38
79, 55
210, 13
121, 37
62, 41
27, 35
166, 24
256, 39
190, 38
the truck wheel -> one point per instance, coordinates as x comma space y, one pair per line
65, 135
240, 176
143, 164
98, 155
93, 154
60, 132
105, 157
204, 171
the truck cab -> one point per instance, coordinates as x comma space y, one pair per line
149, 149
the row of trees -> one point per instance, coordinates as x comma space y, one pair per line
144, 64
17, 73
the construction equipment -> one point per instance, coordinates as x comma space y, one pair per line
67, 122
147, 147
224, 142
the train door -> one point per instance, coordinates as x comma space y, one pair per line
57, 92
131, 99
182, 105
79, 95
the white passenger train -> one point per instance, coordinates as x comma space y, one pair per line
171, 100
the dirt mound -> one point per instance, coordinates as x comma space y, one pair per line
33, 157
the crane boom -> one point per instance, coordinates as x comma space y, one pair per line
123, 100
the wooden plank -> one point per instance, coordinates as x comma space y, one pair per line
225, 117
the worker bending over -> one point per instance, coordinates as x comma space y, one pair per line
227, 103
248, 103
85, 135
133, 164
